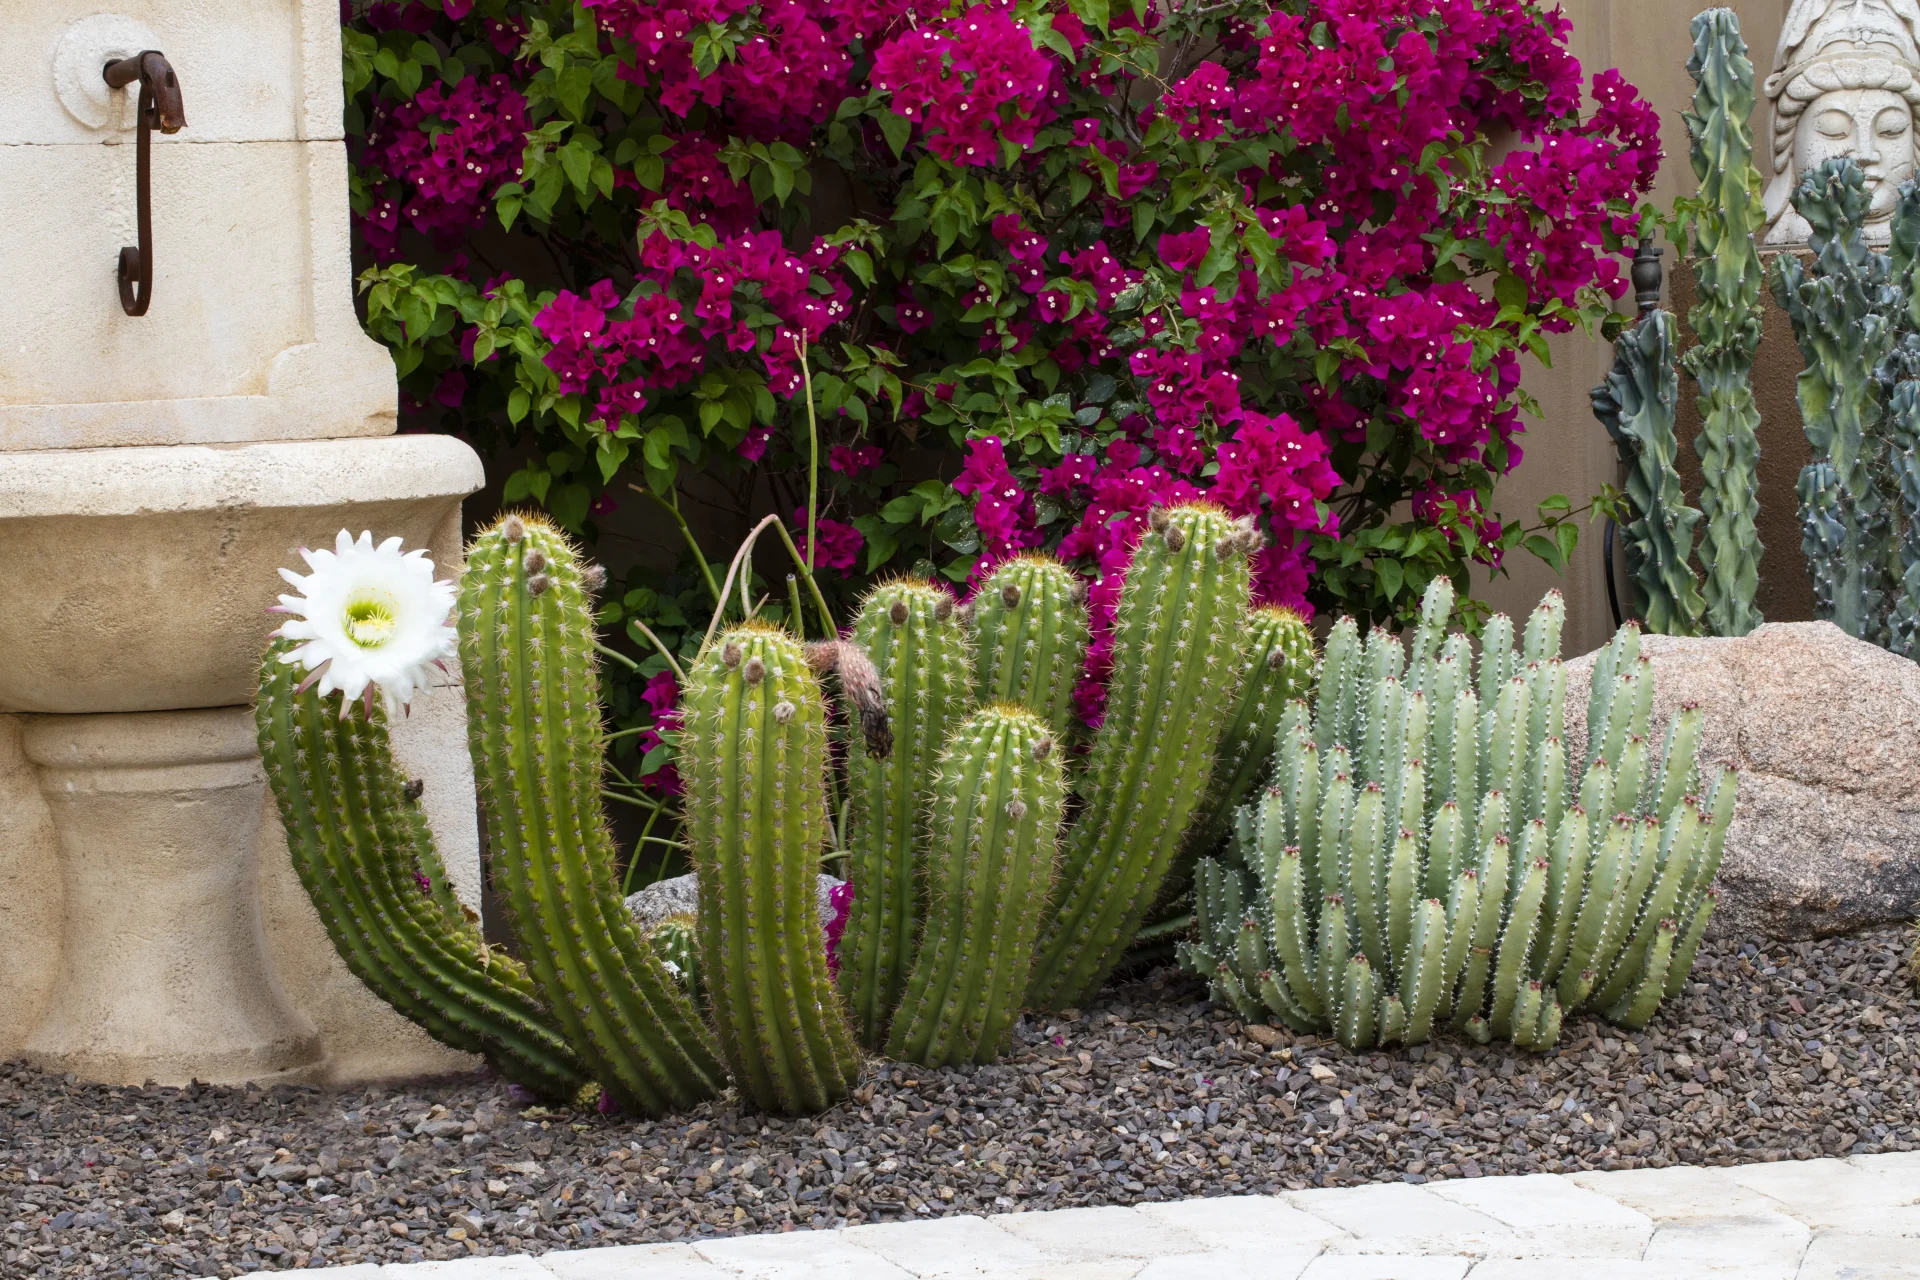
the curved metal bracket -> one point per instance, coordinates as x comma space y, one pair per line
159, 107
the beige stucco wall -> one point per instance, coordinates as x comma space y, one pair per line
1569, 452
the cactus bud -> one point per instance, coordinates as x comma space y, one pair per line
943, 608
513, 528
860, 682
537, 585
1226, 546
1016, 809
966, 613
594, 578
1176, 539
730, 654
534, 561
754, 672
1043, 748
1010, 596
897, 613
1157, 520
415, 788
782, 711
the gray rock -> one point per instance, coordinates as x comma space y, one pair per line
681, 896
1825, 733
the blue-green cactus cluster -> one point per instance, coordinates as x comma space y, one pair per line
1426, 854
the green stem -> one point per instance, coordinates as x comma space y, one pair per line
813, 458
819, 601
795, 606
659, 644
617, 656
633, 863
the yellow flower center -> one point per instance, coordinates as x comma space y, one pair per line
369, 622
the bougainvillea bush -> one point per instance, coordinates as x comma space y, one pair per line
1037, 267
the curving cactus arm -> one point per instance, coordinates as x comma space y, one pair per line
358, 840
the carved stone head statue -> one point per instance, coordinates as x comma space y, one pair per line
1845, 82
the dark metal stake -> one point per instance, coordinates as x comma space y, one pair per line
159, 106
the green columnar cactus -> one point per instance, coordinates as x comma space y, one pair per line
1727, 276
1636, 405
676, 941
526, 644
1903, 423
996, 807
1176, 634
1499, 905
1030, 638
910, 630
358, 841
1844, 315
754, 759
1276, 666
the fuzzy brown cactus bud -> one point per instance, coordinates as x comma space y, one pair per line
594, 578
1010, 596
1176, 539
537, 585
860, 684
730, 654
897, 613
513, 528
415, 788
534, 561
754, 672
943, 608
1157, 520
1043, 748
782, 711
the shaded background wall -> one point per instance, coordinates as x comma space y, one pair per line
1569, 452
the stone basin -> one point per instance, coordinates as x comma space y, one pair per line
137, 579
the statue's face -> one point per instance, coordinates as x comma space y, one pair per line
1873, 128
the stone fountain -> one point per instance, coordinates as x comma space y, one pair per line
155, 470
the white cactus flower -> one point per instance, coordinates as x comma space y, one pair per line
370, 617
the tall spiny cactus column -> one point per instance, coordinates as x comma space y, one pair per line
358, 840
917, 645
1844, 317
1030, 638
1276, 666
1727, 276
1903, 422
996, 807
754, 757
526, 644
1174, 678
1636, 404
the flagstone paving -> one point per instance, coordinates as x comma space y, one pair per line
1852, 1219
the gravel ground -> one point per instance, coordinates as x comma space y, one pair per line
1777, 1052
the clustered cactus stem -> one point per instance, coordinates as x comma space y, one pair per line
1030, 638
1845, 315
1377, 897
360, 844
526, 620
1636, 405
754, 761
1727, 273
917, 645
1276, 666
996, 811
1176, 639
1903, 420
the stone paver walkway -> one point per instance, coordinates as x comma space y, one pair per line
1855, 1219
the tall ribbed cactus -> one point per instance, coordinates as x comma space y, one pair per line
1276, 666
754, 758
1727, 278
1845, 315
533, 714
996, 812
1176, 635
1903, 433
1636, 405
358, 841
1372, 900
1030, 638
910, 631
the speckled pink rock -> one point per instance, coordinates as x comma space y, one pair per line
1825, 732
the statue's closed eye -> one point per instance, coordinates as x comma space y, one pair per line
1892, 123
1834, 124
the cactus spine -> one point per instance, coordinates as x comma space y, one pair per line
1276, 666
1175, 638
526, 643
1499, 903
1727, 275
1844, 317
357, 840
754, 758
1030, 633
910, 630
996, 807
1636, 405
